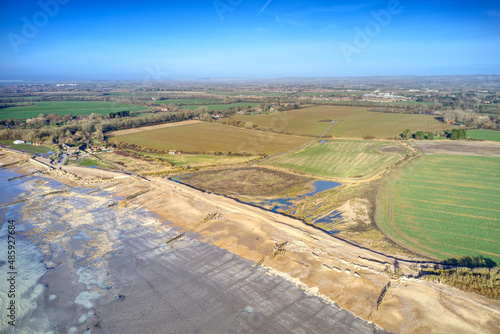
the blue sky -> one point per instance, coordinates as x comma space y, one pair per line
85, 40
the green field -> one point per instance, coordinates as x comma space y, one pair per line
221, 107
187, 101
445, 206
341, 158
89, 162
484, 134
491, 108
212, 137
75, 108
26, 147
22, 98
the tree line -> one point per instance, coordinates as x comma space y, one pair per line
54, 129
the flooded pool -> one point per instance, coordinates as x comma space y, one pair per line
288, 204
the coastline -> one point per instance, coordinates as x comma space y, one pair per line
312, 258
110, 269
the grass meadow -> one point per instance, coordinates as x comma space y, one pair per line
484, 134
26, 147
75, 108
445, 206
341, 158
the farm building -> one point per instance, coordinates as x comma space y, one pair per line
72, 150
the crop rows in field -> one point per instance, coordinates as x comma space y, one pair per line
213, 137
447, 206
340, 158
75, 108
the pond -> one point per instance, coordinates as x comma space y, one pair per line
288, 203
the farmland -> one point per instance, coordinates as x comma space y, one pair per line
212, 137
386, 125
484, 134
186, 101
246, 93
308, 121
202, 160
25, 147
75, 108
221, 107
341, 158
351, 122
445, 206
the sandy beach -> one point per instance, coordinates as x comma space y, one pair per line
223, 240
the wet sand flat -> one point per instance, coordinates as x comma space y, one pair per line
108, 269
